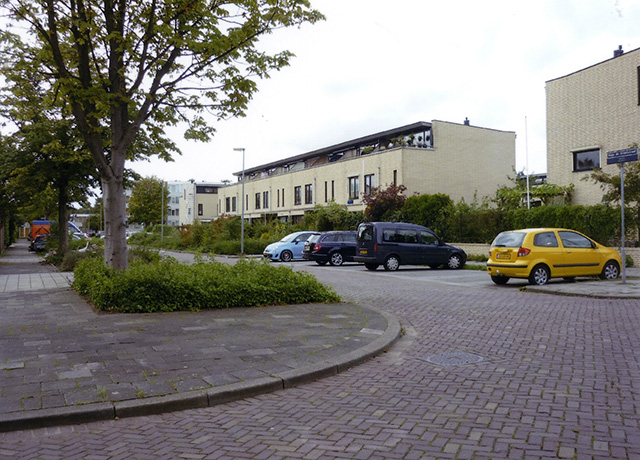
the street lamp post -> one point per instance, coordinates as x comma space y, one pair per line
242, 208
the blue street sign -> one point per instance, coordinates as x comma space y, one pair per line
622, 156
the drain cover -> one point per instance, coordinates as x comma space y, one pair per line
456, 358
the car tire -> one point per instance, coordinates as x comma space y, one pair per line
455, 262
499, 279
539, 275
610, 271
286, 256
336, 259
371, 267
321, 262
392, 263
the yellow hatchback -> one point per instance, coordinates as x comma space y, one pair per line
538, 254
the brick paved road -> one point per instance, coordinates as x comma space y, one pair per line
545, 377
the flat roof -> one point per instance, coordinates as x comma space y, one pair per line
343, 146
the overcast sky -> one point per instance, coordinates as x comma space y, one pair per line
375, 65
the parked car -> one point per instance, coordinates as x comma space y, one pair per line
288, 248
538, 254
393, 243
333, 247
39, 244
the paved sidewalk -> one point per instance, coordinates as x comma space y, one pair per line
62, 362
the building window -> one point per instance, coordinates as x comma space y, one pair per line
234, 204
227, 204
395, 177
283, 197
326, 191
206, 189
369, 183
258, 200
638, 85
354, 187
200, 209
278, 195
308, 194
333, 190
297, 195
265, 200
586, 160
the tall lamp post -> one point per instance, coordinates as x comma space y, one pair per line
242, 204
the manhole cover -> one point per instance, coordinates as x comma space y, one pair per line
456, 358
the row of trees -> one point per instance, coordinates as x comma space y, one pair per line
108, 76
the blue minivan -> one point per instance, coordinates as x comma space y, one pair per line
391, 244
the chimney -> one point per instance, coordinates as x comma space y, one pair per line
466, 121
618, 52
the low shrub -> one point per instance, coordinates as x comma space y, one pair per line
170, 286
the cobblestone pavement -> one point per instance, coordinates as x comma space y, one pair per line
482, 372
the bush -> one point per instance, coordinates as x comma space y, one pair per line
171, 286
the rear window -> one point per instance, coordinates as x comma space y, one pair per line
508, 240
313, 238
365, 233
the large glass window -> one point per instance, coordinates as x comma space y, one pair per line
265, 200
308, 194
297, 195
586, 160
369, 183
354, 187
258, 200
234, 204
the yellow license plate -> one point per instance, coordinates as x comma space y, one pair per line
364, 252
503, 255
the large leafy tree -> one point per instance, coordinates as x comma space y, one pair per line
126, 70
147, 197
383, 203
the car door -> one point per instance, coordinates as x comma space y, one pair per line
298, 244
409, 249
433, 253
580, 254
548, 250
349, 245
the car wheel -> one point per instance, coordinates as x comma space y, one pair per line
286, 256
539, 275
610, 271
371, 266
500, 279
392, 263
454, 262
336, 259
321, 262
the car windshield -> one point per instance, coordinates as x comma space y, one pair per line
508, 240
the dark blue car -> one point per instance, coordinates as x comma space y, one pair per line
333, 247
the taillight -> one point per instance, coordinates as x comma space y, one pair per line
375, 247
317, 247
523, 252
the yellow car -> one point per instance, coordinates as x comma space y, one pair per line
538, 254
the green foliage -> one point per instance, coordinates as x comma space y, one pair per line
147, 196
434, 211
171, 286
332, 216
383, 204
127, 71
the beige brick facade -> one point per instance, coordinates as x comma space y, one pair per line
597, 108
459, 160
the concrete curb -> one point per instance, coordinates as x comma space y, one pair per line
202, 398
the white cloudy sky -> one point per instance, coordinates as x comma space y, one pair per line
374, 65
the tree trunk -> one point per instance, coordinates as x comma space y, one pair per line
63, 220
115, 242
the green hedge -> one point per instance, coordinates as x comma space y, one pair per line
171, 286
